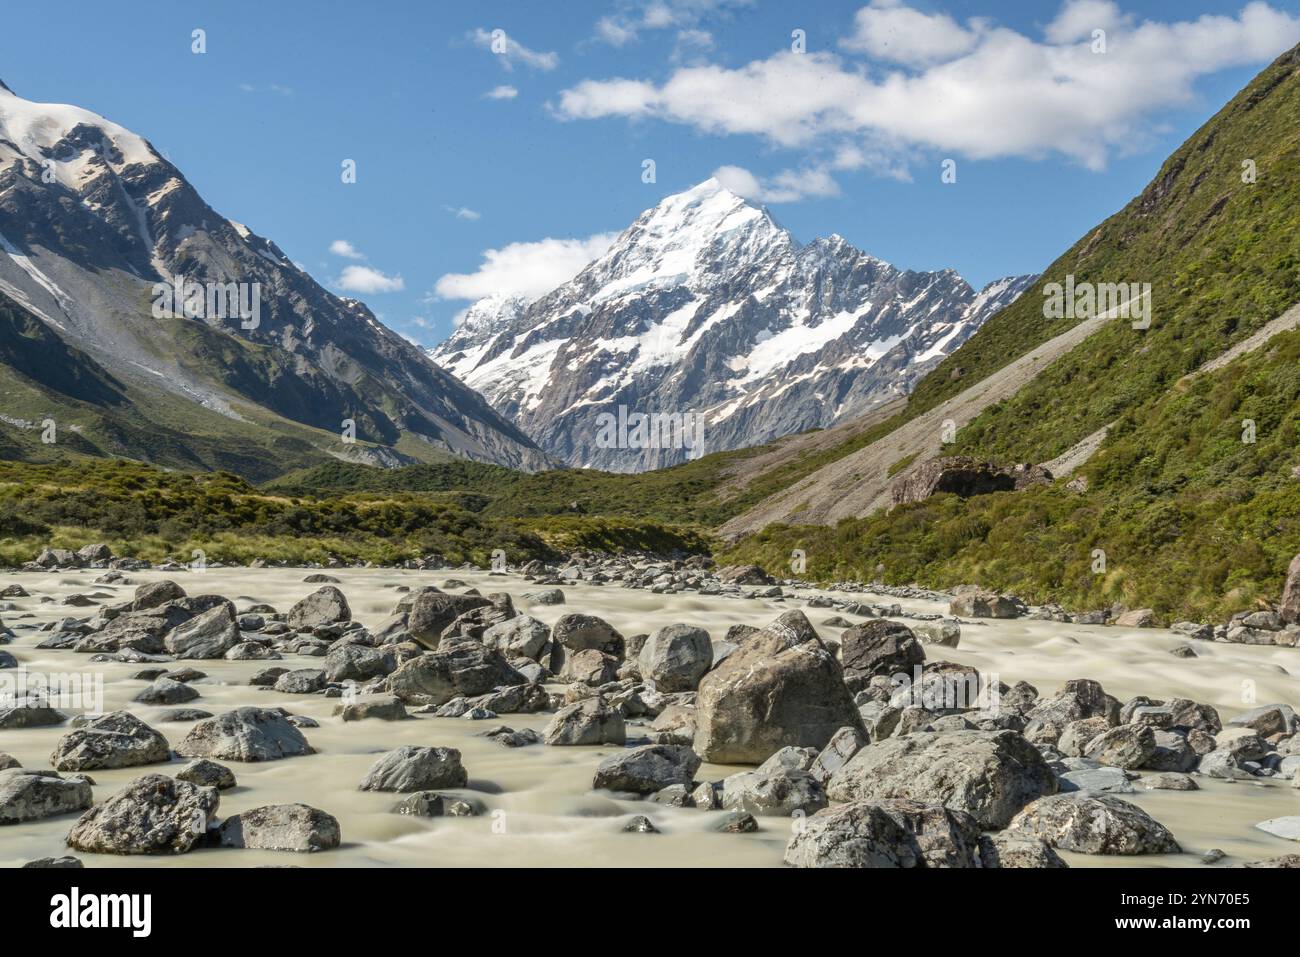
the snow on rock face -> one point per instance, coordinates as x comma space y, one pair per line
706, 306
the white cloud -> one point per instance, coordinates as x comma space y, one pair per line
341, 247
890, 31
364, 279
463, 212
1006, 94
510, 51
786, 186
635, 16
524, 269
503, 92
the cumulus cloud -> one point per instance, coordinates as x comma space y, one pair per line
910, 81
365, 279
524, 269
341, 247
786, 186
510, 51
503, 92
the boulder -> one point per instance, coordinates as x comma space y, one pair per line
32, 795
1128, 746
1005, 849
946, 632
1267, 719
780, 791
675, 658
385, 707
1138, 618
892, 833
205, 636
460, 666
412, 768
207, 773
301, 681
155, 594
1289, 609
845, 743
587, 722
245, 734
518, 637
1093, 824
115, 740
744, 575
648, 769
989, 774
574, 633
154, 814
281, 827
878, 647
165, 691
781, 687
324, 606
351, 662
432, 611
983, 604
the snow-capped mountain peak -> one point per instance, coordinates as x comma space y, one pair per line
705, 304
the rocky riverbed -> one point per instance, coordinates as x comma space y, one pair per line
633, 737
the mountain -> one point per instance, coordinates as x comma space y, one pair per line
706, 306
255, 367
1175, 447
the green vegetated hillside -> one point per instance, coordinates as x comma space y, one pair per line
1193, 520
147, 512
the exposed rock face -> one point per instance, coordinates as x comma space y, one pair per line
460, 666
989, 774
32, 795
324, 606
964, 476
781, 687
648, 769
115, 740
675, 658
245, 734
411, 768
281, 827
1094, 824
154, 814
706, 305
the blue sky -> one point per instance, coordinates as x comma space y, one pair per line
849, 139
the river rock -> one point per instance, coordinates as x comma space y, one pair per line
281, 827
412, 768
1289, 608
32, 795
207, 773
154, 814
1094, 824
245, 734
845, 743
518, 637
385, 707
205, 636
574, 633
432, 611
301, 681
983, 604
587, 722
989, 774
946, 632
1267, 719
155, 594
892, 833
675, 658
779, 791
648, 769
324, 606
1004, 849
460, 666
165, 691
878, 647
780, 687
1128, 746
115, 740
351, 662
